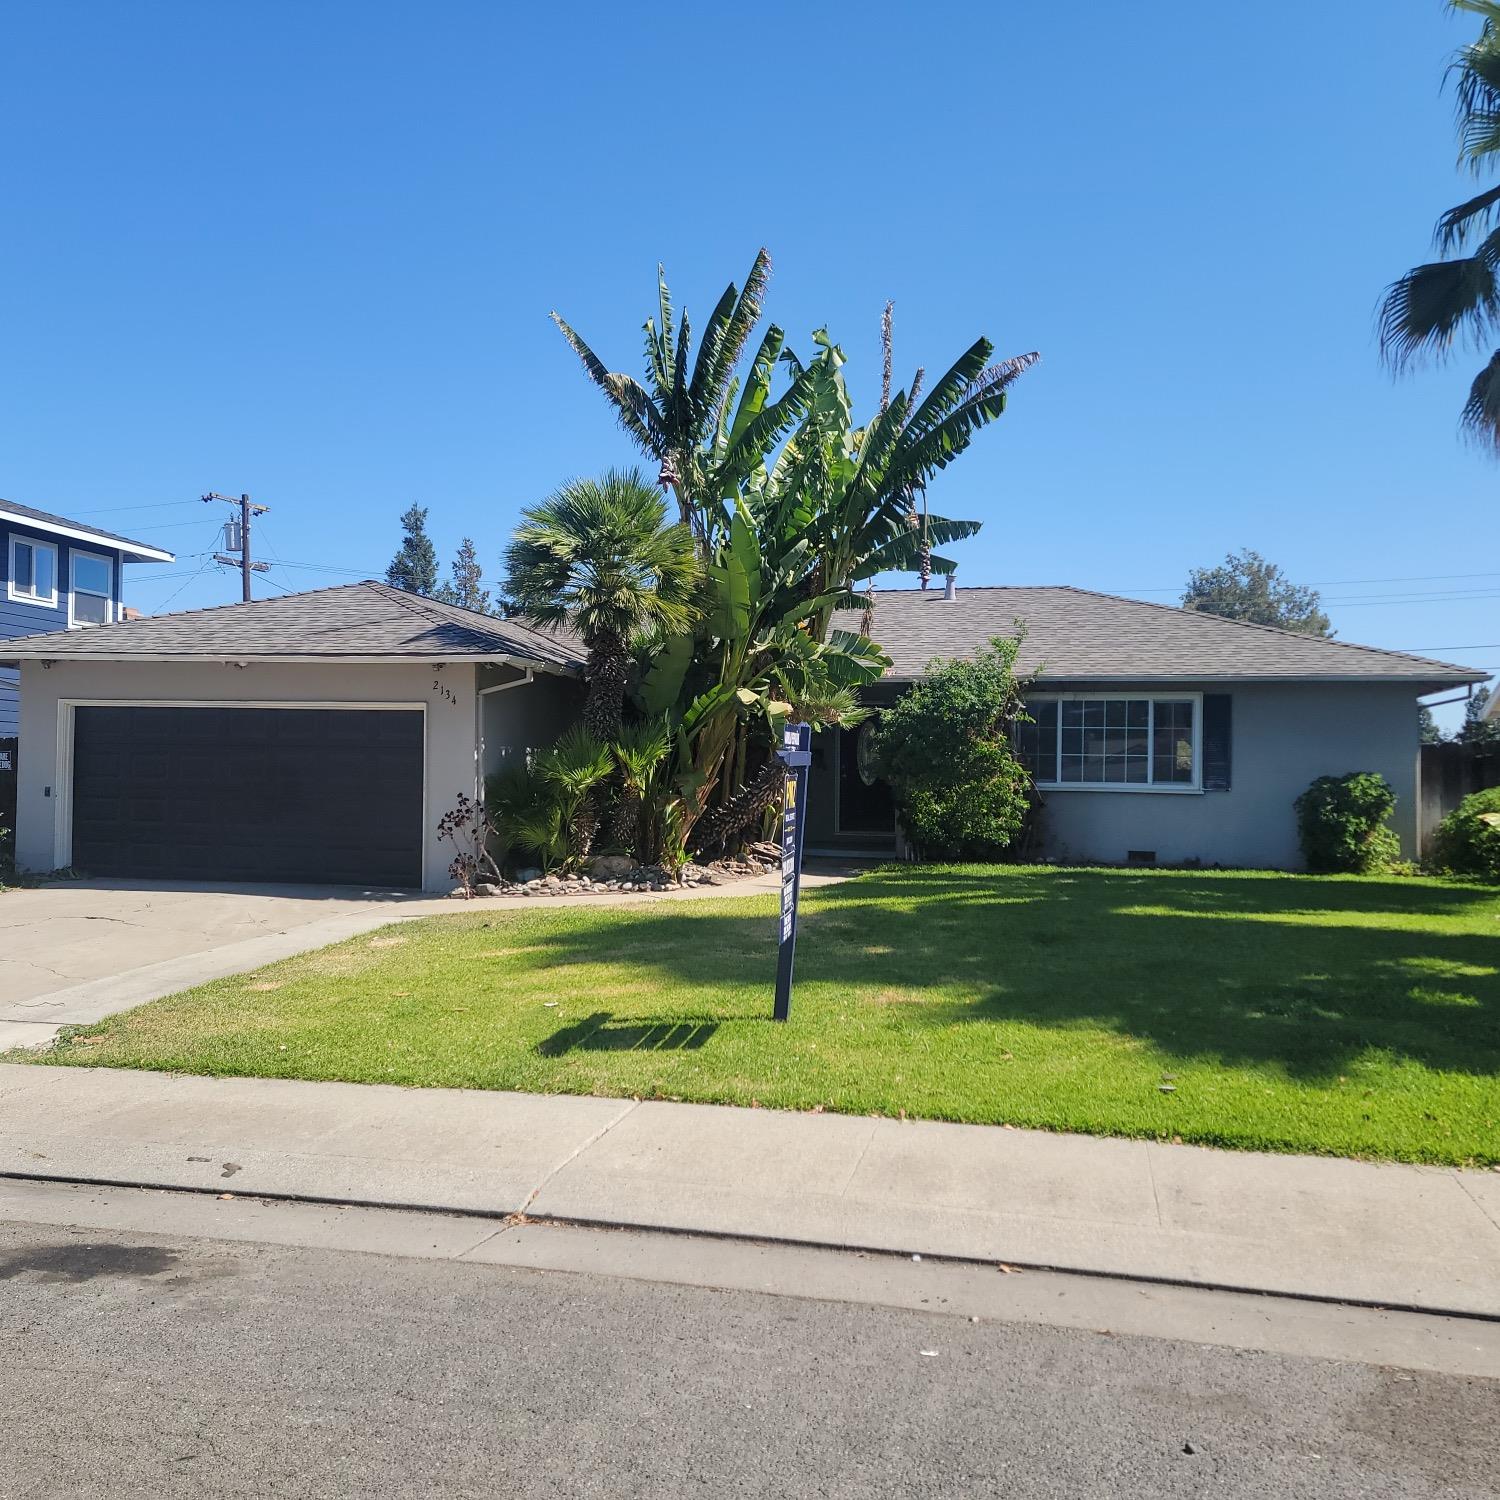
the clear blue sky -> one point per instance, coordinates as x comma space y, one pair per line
308, 250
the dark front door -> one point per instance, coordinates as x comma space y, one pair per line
330, 796
865, 802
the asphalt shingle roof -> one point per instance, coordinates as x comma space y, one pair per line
354, 620
47, 519
1075, 635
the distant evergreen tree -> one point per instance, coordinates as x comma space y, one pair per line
1478, 730
414, 566
1247, 587
1431, 734
463, 587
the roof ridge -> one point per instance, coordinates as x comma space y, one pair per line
1276, 630
208, 609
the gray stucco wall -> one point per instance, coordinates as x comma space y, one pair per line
523, 717
1283, 737
446, 693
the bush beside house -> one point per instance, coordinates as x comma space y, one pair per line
947, 749
1341, 824
1468, 839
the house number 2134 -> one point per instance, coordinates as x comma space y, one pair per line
443, 692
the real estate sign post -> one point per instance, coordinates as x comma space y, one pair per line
796, 755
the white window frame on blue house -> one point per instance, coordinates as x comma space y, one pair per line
1055, 783
108, 595
23, 596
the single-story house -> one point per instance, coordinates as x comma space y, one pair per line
1161, 734
57, 574
321, 736
313, 737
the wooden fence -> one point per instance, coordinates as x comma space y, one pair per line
1449, 773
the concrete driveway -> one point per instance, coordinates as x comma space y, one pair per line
75, 952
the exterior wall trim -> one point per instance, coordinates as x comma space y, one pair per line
138, 550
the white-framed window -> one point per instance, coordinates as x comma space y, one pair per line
33, 571
1114, 741
91, 588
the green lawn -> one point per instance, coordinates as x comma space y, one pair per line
1350, 1016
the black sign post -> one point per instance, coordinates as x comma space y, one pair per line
796, 755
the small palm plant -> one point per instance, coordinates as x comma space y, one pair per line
640, 752
574, 768
597, 554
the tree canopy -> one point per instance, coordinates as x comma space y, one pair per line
1247, 587
462, 587
414, 566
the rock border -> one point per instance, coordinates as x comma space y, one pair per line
635, 879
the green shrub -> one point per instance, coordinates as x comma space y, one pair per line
1468, 839
946, 750
1341, 824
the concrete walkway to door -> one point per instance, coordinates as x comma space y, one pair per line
73, 952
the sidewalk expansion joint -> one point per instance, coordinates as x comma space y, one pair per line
578, 1151
506, 1218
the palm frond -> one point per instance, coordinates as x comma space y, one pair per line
1426, 309
633, 406
1480, 418
741, 324
1455, 226
951, 390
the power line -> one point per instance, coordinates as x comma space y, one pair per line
111, 510
1487, 646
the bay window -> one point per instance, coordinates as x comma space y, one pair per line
1103, 740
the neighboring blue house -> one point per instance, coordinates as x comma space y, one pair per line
57, 574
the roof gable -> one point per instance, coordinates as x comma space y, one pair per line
1075, 635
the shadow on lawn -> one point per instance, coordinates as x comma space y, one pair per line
1201, 966
595, 1033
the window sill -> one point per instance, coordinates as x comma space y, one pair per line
1134, 789
31, 599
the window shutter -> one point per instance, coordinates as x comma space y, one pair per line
1217, 724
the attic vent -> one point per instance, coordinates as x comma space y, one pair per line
1140, 856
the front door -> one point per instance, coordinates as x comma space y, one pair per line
864, 800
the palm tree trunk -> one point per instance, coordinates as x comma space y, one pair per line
605, 705
717, 827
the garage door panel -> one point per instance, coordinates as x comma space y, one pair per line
320, 795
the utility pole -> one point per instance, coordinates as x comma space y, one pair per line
246, 567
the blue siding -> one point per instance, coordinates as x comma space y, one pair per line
18, 618
10, 717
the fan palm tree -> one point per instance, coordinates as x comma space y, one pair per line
1458, 297
598, 555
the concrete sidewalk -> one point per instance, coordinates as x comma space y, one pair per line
1418, 1237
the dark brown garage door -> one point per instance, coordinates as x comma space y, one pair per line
332, 796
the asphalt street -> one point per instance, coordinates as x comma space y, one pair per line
178, 1365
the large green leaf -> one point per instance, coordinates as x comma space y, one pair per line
661, 686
